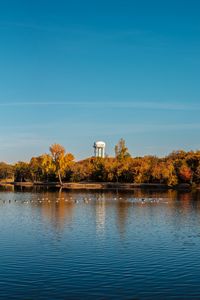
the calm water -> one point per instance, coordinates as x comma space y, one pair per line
99, 245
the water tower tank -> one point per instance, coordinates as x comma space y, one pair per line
99, 149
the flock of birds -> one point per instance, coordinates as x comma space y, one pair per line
85, 200
45, 200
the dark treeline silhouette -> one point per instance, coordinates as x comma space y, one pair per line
59, 166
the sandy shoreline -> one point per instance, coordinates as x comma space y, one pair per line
99, 185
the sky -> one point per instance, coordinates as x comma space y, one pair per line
74, 72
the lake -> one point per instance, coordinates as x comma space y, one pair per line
139, 244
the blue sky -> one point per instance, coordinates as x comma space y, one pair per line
73, 72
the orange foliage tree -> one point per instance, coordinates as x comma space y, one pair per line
61, 160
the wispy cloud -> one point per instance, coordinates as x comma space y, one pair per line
104, 128
153, 128
107, 104
21, 140
136, 128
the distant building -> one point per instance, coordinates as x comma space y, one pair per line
99, 149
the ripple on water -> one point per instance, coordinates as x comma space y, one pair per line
119, 246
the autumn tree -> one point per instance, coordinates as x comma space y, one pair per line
121, 151
164, 172
35, 168
177, 167
109, 169
61, 160
143, 170
6, 171
185, 173
197, 174
22, 171
48, 167
42, 167
82, 170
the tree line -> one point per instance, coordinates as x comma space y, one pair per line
60, 166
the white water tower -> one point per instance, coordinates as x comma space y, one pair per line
99, 149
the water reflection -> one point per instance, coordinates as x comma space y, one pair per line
56, 210
57, 244
100, 213
59, 206
122, 209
